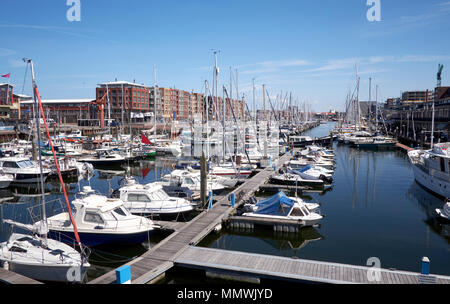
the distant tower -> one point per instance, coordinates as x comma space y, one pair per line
440, 67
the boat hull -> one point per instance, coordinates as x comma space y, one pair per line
62, 273
29, 178
437, 186
277, 181
97, 239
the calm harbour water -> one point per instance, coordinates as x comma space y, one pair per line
374, 209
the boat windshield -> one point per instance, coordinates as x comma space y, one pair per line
162, 194
25, 163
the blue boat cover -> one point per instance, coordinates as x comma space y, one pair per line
304, 169
279, 204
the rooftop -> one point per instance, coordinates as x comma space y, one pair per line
120, 83
60, 101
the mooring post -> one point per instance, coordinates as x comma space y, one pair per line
203, 180
425, 266
232, 199
210, 200
123, 275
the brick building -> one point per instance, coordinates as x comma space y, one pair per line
126, 100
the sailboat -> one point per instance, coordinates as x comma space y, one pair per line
34, 255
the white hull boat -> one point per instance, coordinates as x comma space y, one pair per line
432, 168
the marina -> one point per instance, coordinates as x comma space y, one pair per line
163, 258
224, 146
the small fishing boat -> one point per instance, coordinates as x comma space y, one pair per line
280, 206
100, 220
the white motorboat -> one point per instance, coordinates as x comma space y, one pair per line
100, 220
173, 149
315, 172
294, 177
283, 207
300, 163
151, 199
432, 168
255, 205
23, 169
190, 180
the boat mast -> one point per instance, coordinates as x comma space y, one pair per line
207, 119
432, 125
369, 106
357, 103
122, 121
38, 143
109, 110
155, 94
376, 109
265, 121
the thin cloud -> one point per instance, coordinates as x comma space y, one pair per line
55, 29
272, 66
6, 52
15, 63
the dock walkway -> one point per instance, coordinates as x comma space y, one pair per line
293, 269
160, 258
9, 277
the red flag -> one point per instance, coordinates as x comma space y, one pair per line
145, 171
145, 140
7, 75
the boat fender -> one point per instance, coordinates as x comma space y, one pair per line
6, 265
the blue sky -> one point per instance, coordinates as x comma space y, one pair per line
307, 47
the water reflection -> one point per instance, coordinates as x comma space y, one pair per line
428, 203
288, 244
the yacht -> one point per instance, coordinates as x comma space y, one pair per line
432, 168
49, 260
23, 169
100, 220
282, 207
151, 199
